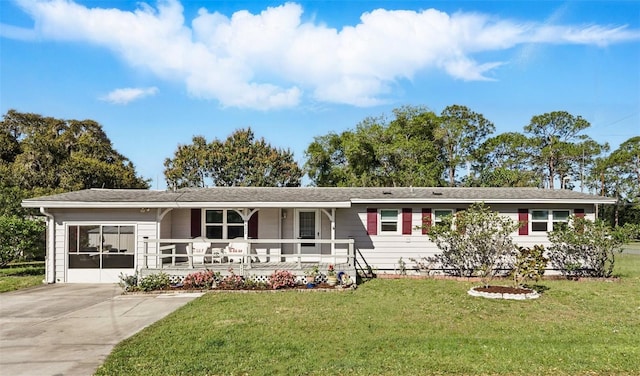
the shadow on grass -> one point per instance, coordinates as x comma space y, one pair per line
22, 272
539, 288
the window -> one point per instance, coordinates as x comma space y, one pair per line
101, 246
439, 215
223, 224
388, 220
548, 220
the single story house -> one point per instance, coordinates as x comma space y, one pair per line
95, 235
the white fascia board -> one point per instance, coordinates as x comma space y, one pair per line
96, 205
264, 204
487, 201
173, 204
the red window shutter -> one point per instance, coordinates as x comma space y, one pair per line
196, 223
253, 226
523, 218
578, 213
372, 221
426, 220
406, 221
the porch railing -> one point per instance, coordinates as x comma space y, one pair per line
342, 250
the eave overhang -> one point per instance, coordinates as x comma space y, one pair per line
486, 201
176, 205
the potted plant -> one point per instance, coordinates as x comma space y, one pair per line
311, 275
332, 280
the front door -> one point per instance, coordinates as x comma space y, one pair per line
308, 227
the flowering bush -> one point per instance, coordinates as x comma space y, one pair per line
331, 271
201, 280
153, 282
232, 281
282, 279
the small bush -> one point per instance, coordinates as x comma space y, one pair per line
159, 281
530, 264
282, 279
232, 281
201, 280
587, 248
128, 282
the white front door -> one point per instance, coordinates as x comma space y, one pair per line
308, 227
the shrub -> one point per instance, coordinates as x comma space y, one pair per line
20, 238
587, 248
232, 281
128, 282
476, 241
530, 264
201, 280
159, 281
282, 279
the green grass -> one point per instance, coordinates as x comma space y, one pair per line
21, 276
397, 327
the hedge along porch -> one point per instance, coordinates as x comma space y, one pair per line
94, 235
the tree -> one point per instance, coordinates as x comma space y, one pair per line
379, 152
618, 175
477, 241
460, 133
240, 160
504, 161
47, 153
587, 248
19, 238
559, 145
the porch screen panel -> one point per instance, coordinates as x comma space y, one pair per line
523, 218
406, 221
119, 252
84, 247
372, 221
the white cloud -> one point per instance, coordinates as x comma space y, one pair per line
127, 95
271, 59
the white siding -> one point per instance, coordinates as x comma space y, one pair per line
59, 257
384, 251
268, 223
181, 224
165, 226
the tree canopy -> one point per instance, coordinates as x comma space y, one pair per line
240, 160
379, 152
53, 154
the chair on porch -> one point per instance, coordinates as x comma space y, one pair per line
236, 248
200, 249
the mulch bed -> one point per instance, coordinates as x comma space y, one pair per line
503, 290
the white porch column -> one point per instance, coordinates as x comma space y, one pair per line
332, 219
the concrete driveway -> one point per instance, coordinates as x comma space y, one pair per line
69, 329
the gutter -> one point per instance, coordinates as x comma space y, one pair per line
50, 250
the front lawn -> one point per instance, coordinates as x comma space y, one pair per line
19, 276
397, 327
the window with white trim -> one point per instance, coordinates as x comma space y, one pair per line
548, 220
389, 221
440, 214
223, 224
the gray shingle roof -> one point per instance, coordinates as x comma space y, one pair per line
316, 195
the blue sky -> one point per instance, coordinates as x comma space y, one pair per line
155, 74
